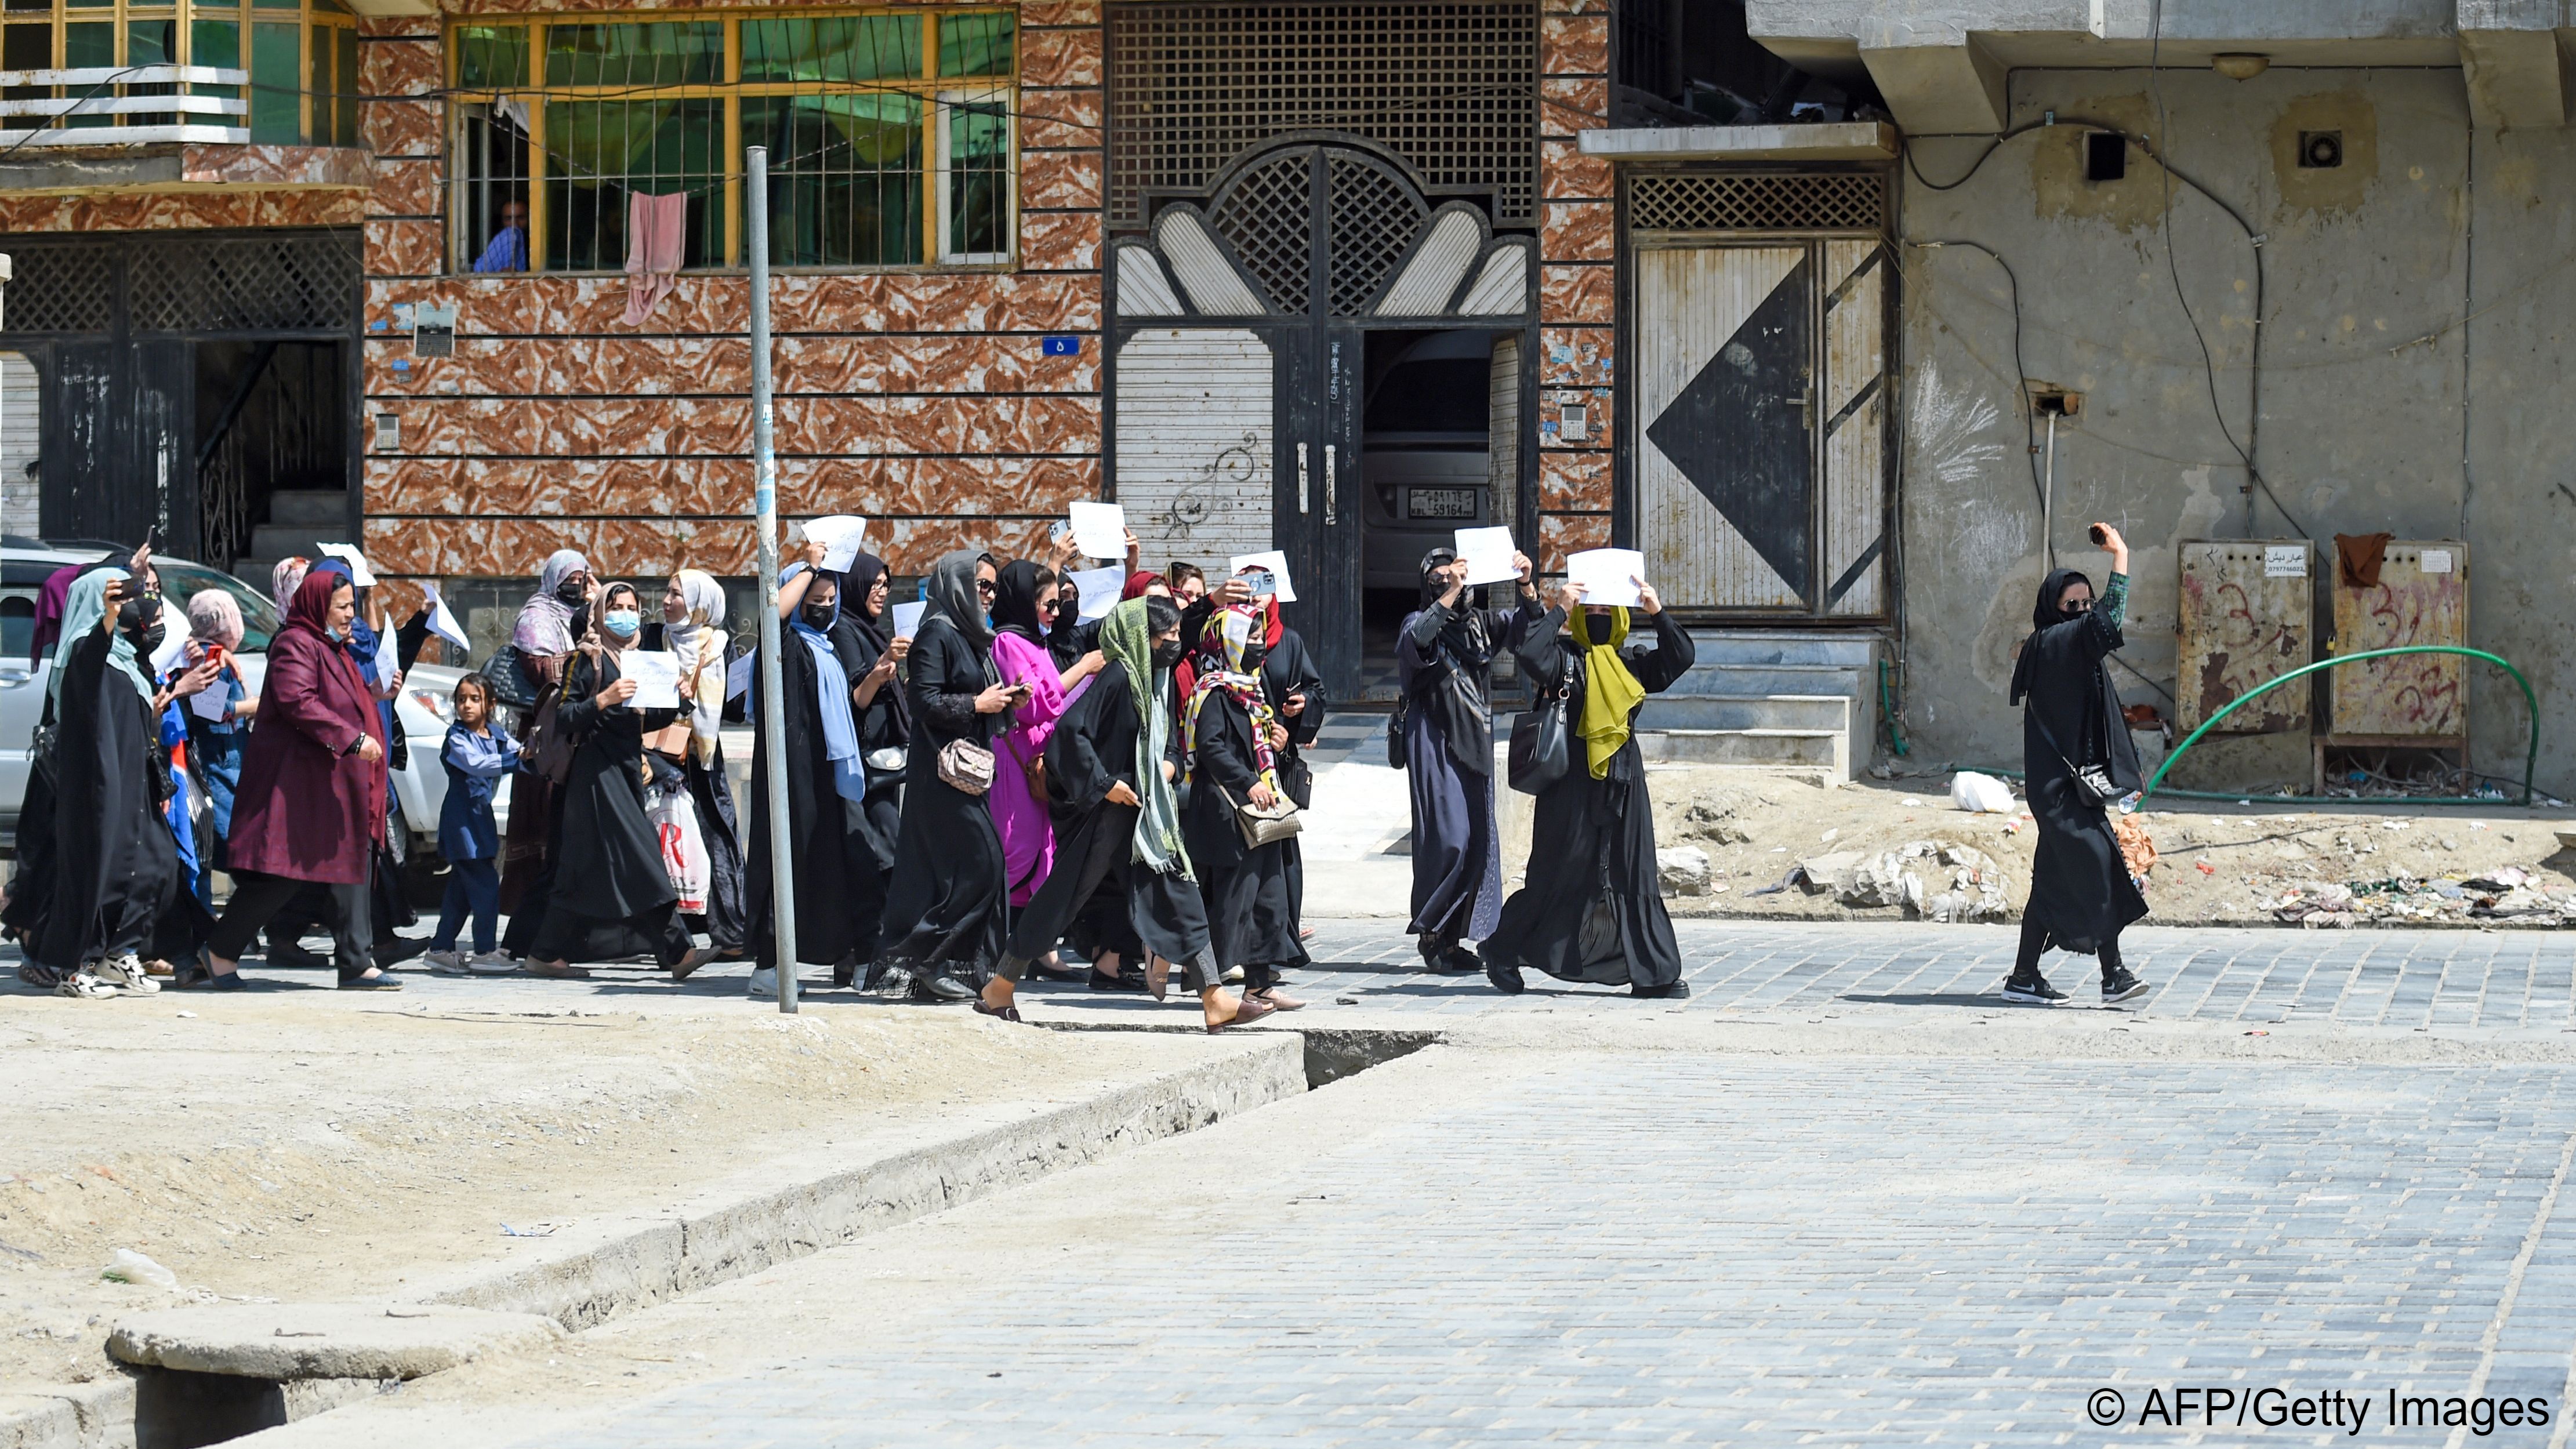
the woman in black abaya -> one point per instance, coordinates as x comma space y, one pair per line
2081, 896
1120, 856
1444, 658
1295, 689
873, 659
1231, 761
840, 885
612, 894
692, 627
1591, 908
948, 909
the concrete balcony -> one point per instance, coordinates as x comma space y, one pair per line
205, 146
90, 91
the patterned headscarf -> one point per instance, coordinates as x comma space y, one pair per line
215, 618
286, 578
700, 643
545, 622
1229, 659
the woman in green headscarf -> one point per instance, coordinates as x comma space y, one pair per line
1591, 909
1110, 767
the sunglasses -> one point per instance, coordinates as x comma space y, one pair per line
984, 587
2076, 606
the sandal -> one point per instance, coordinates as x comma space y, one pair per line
558, 973
1158, 977
1277, 1000
1248, 1009
1007, 1013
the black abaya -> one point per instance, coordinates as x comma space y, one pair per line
2081, 894
115, 865
612, 894
1449, 752
840, 884
1122, 905
1252, 922
948, 907
1289, 669
1591, 907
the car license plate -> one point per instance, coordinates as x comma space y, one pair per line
1441, 503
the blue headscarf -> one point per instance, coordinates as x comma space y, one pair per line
832, 688
83, 607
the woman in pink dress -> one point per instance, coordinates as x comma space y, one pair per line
1024, 607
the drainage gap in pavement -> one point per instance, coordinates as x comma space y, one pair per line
1334, 1053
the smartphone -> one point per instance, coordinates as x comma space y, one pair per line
2094, 532
1057, 530
1260, 581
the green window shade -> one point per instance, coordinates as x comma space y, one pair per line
975, 44
319, 56
978, 181
276, 112
151, 42
346, 105
216, 43
847, 190
652, 53
599, 154
273, 4
89, 43
491, 57
832, 48
91, 4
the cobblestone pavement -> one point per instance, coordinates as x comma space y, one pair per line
1607, 1248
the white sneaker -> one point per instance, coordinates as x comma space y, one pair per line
764, 981
491, 963
83, 986
124, 975
445, 963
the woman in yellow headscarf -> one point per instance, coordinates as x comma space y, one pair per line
1591, 910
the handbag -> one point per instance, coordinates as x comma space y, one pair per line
508, 678
1262, 825
966, 766
548, 752
1540, 753
1395, 737
2093, 783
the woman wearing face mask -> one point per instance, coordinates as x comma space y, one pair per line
1444, 658
840, 880
688, 758
215, 735
1295, 689
612, 894
1592, 907
1121, 862
116, 865
1023, 612
31, 880
2081, 894
1230, 761
947, 908
873, 658
552, 621
312, 802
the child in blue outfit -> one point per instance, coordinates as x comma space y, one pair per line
478, 752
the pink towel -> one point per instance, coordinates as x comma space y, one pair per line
656, 228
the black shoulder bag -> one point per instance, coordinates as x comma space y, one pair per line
2093, 783
1541, 751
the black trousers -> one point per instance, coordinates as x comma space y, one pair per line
256, 898
2034, 942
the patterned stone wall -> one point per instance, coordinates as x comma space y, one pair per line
1577, 259
920, 400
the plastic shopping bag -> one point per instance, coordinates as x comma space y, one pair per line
684, 850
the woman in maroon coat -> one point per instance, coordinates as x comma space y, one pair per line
311, 804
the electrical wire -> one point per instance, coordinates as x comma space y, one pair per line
2029, 422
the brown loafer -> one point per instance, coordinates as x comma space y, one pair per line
1158, 977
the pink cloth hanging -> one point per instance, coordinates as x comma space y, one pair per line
656, 232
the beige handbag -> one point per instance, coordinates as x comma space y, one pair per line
966, 766
1264, 824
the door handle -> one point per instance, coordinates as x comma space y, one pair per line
1801, 402
1302, 507
1331, 495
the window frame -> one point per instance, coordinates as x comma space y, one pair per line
934, 92
306, 16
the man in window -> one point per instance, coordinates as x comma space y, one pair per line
508, 251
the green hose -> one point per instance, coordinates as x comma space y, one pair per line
1887, 710
2531, 757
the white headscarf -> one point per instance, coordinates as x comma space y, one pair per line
700, 643
214, 617
286, 578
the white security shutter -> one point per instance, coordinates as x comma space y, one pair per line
1194, 441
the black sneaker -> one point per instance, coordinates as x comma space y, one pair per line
1673, 992
2121, 985
1505, 977
2034, 990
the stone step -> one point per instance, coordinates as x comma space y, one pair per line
319, 510
1809, 749
1831, 712
277, 540
1733, 647
1752, 681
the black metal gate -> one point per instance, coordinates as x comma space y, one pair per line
112, 323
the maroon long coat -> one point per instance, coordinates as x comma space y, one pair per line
307, 808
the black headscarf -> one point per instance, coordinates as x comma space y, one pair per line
1466, 637
1015, 602
868, 633
2047, 613
950, 593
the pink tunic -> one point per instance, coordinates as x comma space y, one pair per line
1028, 836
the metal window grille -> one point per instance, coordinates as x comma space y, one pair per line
1375, 216
301, 55
243, 284
62, 288
1266, 215
876, 157
1758, 201
1450, 87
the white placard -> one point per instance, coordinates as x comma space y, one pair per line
347, 553
1608, 575
1487, 553
174, 647
1100, 530
443, 622
2285, 560
1276, 561
840, 534
656, 673
211, 701
907, 618
738, 676
388, 658
2435, 561
1100, 590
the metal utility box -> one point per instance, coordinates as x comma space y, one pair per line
2417, 701
2248, 617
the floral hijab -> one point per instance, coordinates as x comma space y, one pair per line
1229, 658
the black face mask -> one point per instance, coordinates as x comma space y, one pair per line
570, 591
817, 616
1167, 656
139, 620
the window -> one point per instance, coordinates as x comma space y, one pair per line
891, 137
302, 56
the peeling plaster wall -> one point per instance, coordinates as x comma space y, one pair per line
2366, 272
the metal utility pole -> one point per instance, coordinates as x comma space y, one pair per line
773, 702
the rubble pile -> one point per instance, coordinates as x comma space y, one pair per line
1931, 880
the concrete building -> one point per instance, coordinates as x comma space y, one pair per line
1783, 293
